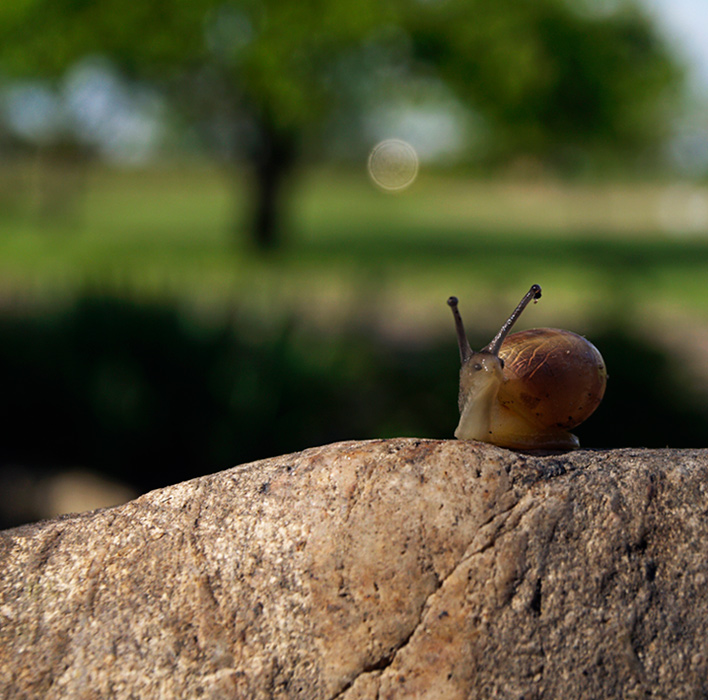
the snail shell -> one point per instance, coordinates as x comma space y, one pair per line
554, 379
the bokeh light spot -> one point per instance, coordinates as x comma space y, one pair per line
393, 164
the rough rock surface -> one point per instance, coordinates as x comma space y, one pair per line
385, 569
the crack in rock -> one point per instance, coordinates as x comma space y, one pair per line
481, 541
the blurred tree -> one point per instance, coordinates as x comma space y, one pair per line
555, 77
260, 77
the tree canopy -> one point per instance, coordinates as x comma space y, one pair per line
543, 76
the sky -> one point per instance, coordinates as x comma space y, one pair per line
686, 24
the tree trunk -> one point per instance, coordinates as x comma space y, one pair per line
272, 160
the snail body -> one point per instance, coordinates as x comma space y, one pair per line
527, 390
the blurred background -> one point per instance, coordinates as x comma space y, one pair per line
228, 229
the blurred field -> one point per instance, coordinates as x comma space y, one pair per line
142, 338
353, 251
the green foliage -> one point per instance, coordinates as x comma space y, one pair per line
259, 79
547, 77
153, 396
270, 57
542, 74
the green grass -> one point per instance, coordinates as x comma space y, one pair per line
353, 251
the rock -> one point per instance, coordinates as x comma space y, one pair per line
384, 569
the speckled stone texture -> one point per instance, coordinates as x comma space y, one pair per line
383, 569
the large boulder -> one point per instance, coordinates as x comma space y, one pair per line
383, 569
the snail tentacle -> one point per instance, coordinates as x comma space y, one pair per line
533, 294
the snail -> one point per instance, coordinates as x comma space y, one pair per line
527, 390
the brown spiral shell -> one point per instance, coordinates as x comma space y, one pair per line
553, 377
